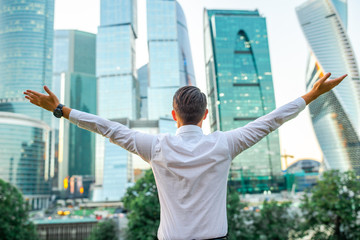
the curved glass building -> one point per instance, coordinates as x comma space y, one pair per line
24, 156
335, 115
170, 60
26, 42
240, 89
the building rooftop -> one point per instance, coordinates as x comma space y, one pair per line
63, 221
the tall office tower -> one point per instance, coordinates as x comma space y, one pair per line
115, 60
118, 90
170, 60
26, 42
143, 90
74, 81
240, 89
336, 114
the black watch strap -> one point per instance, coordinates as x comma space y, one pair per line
58, 111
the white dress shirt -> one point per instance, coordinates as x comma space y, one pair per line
191, 169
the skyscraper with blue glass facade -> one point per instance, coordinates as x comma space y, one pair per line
336, 114
115, 60
240, 89
74, 81
26, 43
170, 59
117, 92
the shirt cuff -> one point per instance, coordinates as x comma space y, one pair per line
74, 116
301, 103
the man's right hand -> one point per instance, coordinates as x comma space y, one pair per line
48, 102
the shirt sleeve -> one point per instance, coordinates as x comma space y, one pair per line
131, 140
243, 138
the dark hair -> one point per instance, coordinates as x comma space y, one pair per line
190, 104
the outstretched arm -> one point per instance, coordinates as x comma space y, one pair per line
131, 140
243, 138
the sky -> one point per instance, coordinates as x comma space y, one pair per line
288, 51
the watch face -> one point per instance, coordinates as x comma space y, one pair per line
58, 113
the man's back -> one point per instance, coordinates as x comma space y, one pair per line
191, 172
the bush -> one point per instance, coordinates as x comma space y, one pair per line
105, 230
14, 215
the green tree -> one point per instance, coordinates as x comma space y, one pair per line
240, 220
142, 202
14, 215
332, 209
274, 221
105, 230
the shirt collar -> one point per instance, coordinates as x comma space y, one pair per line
188, 128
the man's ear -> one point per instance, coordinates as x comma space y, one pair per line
206, 113
173, 115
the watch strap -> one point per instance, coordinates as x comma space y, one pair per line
58, 111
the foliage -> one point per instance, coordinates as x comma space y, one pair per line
14, 215
142, 202
239, 220
105, 230
273, 221
332, 210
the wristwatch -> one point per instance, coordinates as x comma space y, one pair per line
58, 111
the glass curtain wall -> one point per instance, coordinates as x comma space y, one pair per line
336, 114
117, 90
170, 59
240, 89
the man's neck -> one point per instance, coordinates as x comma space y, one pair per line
179, 124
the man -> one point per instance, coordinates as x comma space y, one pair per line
190, 168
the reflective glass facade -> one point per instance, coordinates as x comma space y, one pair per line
240, 89
336, 114
117, 91
115, 60
116, 170
24, 156
26, 42
170, 59
143, 90
75, 82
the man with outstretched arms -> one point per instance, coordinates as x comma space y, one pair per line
190, 168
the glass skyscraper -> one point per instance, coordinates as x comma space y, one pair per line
115, 60
117, 91
240, 89
74, 81
170, 60
26, 43
336, 114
